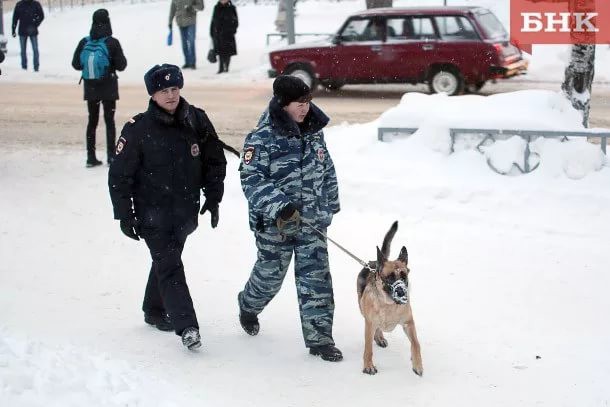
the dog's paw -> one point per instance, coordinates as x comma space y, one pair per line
369, 370
418, 371
381, 342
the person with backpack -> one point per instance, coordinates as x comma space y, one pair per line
185, 12
222, 30
28, 14
99, 56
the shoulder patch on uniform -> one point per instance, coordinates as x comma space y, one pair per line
321, 154
120, 145
248, 155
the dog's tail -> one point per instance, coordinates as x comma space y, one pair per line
387, 240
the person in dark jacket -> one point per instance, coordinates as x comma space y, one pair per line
163, 158
222, 30
1, 59
28, 14
104, 91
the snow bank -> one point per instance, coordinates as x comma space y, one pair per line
434, 115
34, 374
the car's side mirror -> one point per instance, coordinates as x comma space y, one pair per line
336, 39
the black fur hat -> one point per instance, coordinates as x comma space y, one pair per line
288, 89
163, 76
100, 25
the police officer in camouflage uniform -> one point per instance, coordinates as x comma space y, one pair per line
163, 159
288, 177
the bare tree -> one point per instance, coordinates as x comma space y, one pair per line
580, 71
578, 80
378, 3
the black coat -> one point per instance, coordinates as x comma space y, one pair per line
161, 163
223, 28
29, 14
106, 88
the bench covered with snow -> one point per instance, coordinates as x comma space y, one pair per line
492, 135
479, 121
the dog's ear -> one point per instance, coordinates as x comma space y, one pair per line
380, 259
404, 255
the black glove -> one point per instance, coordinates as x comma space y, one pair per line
170, 27
213, 208
130, 228
289, 220
14, 34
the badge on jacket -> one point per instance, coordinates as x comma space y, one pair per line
120, 145
195, 150
248, 155
321, 154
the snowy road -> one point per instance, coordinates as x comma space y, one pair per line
234, 109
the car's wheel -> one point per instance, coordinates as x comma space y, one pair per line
475, 87
446, 80
333, 85
302, 73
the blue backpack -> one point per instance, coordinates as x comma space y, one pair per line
94, 58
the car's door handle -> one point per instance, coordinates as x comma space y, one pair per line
376, 48
427, 47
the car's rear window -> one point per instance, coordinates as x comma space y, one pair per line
491, 25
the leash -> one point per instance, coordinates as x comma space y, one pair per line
350, 254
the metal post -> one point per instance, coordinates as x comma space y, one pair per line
1, 19
3, 40
290, 20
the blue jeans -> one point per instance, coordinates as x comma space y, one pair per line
187, 35
24, 59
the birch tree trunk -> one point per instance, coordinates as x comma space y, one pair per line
579, 79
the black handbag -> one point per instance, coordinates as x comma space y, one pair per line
212, 56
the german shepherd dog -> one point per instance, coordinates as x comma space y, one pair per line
383, 296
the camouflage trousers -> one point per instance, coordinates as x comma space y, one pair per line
312, 277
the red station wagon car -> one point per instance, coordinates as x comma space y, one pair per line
451, 48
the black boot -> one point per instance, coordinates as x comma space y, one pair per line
227, 62
249, 322
191, 338
162, 323
93, 162
326, 352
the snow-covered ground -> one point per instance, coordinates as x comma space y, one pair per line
509, 277
142, 30
509, 274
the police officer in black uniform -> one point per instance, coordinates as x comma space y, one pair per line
163, 158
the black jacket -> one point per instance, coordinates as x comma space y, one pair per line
161, 163
29, 14
223, 28
106, 88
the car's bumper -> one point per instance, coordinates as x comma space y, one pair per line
507, 71
272, 73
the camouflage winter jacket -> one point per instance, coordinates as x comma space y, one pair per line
185, 12
284, 163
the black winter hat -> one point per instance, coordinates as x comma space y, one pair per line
100, 26
100, 16
163, 76
288, 89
